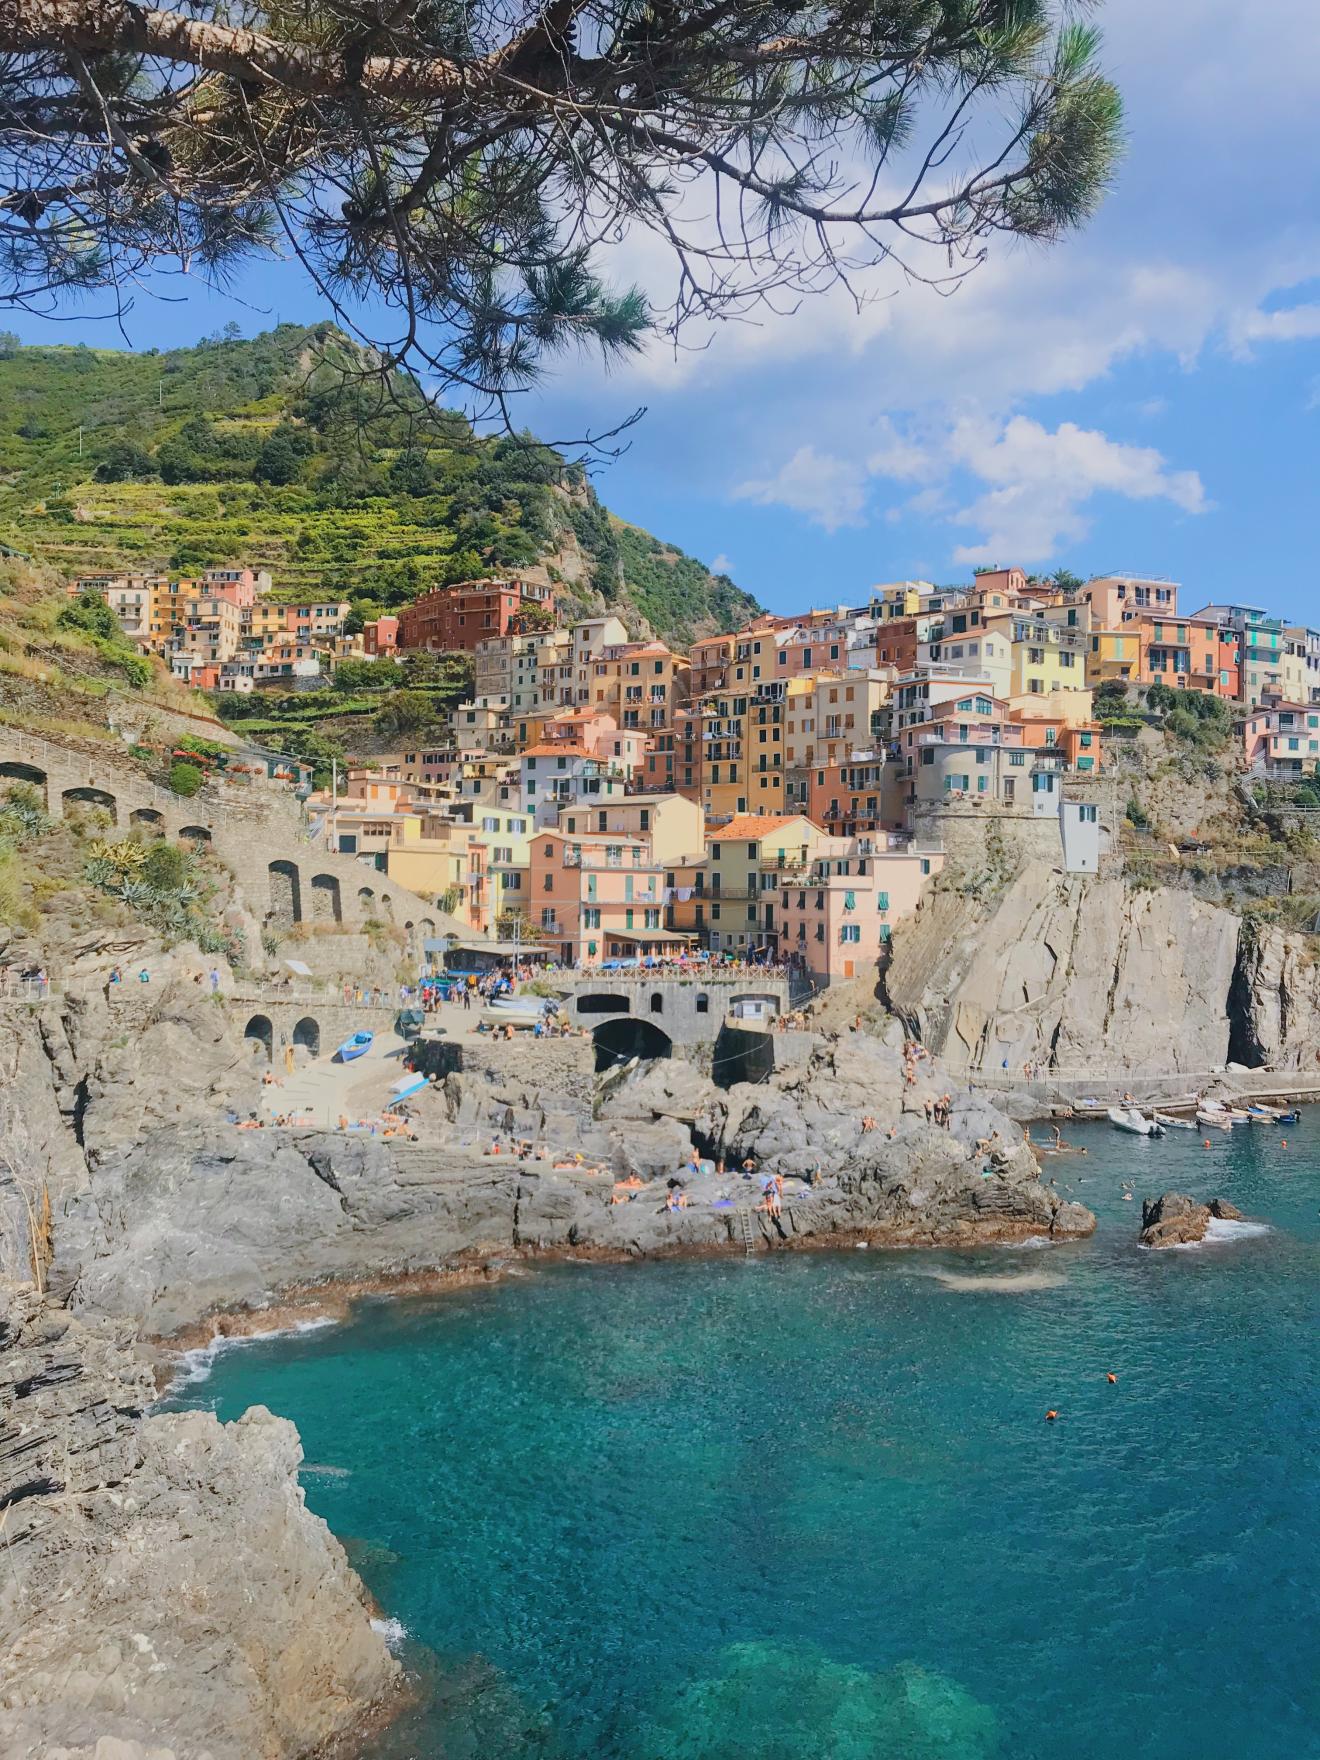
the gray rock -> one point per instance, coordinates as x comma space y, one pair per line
165, 1585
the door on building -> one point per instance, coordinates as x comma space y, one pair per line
1010, 790
848, 968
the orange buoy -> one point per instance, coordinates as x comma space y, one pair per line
1112, 1379
1050, 1417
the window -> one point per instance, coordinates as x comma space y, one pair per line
882, 901
850, 932
1087, 815
591, 918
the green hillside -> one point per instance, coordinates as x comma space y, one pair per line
268, 451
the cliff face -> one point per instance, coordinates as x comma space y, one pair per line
164, 1583
1092, 976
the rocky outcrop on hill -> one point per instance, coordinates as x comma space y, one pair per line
1090, 976
1083, 974
1175, 1220
164, 1583
189, 1221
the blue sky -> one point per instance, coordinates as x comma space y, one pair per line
1145, 396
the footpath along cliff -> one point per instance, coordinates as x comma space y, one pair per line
1095, 975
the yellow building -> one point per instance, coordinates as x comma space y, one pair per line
1113, 653
745, 861
831, 715
1046, 656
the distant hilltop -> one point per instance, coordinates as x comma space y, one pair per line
270, 449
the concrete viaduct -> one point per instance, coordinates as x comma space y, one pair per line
256, 831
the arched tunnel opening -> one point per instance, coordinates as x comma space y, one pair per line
619, 1040
742, 1055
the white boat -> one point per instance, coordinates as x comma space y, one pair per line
1217, 1113
519, 1009
1219, 1120
1171, 1123
1277, 1114
1128, 1118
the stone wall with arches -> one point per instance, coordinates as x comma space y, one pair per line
286, 880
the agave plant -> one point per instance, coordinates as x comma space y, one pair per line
99, 872
124, 857
133, 892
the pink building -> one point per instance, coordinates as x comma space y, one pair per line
1283, 739
381, 637
598, 896
838, 909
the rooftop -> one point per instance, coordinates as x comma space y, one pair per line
746, 827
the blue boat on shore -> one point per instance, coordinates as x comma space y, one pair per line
357, 1046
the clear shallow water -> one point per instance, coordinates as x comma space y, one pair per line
810, 1507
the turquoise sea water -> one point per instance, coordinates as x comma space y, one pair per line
810, 1505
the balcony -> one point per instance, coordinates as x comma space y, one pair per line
589, 858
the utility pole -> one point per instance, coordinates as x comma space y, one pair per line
80, 440
334, 803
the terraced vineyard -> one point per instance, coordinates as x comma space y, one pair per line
262, 451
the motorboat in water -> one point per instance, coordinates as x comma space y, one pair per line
1274, 1114
356, 1046
1215, 1112
1128, 1118
1171, 1123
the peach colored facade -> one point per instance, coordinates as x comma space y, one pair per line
597, 896
838, 909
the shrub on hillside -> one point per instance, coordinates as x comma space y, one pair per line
90, 614
185, 779
125, 462
405, 712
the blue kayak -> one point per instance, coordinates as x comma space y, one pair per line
357, 1046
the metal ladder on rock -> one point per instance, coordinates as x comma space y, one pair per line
748, 1235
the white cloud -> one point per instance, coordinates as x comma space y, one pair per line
1040, 481
830, 491
722, 564
1300, 323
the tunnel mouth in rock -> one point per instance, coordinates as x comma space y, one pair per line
618, 1041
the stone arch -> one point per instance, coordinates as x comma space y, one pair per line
703, 1002
427, 928
366, 898
88, 796
618, 1041
657, 1002
307, 1035
195, 833
387, 904
285, 894
259, 1034
602, 1002
147, 819
14, 770
326, 906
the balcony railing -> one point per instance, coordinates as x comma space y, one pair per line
585, 858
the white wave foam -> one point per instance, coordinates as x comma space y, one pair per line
393, 1631
1219, 1232
1223, 1230
996, 1283
195, 1365
1032, 1243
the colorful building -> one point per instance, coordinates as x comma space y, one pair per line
838, 907
456, 618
